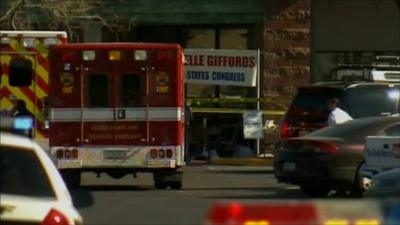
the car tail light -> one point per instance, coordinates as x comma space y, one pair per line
55, 217
161, 153
74, 153
60, 154
153, 153
169, 153
285, 130
325, 147
311, 146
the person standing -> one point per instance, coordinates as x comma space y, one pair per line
10, 111
336, 115
188, 118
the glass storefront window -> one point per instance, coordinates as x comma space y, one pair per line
201, 90
200, 38
233, 39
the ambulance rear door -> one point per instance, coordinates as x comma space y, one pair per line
130, 97
114, 105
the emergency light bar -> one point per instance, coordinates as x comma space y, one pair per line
140, 55
317, 212
19, 123
114, 55
88, 55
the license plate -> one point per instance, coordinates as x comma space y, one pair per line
289, 166
114, 154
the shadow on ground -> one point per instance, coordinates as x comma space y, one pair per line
236, 171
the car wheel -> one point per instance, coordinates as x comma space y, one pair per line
160, 185
71, 178
359, 186
163, 179
315, 191
176, 185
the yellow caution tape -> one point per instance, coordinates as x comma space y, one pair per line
230, 110
222, 100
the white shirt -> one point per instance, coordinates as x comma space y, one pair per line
338, 116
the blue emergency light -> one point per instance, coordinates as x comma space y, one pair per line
23, 123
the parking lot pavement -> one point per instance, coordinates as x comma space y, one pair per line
235, 161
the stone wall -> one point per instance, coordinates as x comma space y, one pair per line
286, 50
286, 58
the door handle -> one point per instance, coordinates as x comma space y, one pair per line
121, 114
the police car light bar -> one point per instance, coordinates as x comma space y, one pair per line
23, 123
19, 123
298, 212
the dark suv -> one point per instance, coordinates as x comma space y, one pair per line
308, 111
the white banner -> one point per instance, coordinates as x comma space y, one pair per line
221, 67
252, 125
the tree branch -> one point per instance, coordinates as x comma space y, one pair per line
12, 10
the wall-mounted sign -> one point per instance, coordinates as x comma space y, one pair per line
253, 125
221, 67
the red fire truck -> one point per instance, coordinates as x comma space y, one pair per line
118, 108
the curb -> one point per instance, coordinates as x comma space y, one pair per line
267, 161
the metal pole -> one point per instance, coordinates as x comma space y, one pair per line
258, 94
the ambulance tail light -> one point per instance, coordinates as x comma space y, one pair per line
67, 154
54, 217
169, 153
60, 154
153, 153
74, 153
161, 153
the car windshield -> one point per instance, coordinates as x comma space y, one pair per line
385, 101
22, 173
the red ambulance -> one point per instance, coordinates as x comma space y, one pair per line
118, 108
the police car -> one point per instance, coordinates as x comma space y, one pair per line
32, 190
382, 153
